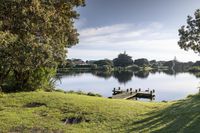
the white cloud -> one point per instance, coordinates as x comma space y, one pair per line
102, 31
150, 41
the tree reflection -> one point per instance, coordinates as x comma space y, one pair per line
123, 76
102, 74
142, 74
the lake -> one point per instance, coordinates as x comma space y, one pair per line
167, 86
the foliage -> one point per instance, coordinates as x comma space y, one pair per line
40, 78
190, 34
6, 42
123, 60
194, 69
197, 63
42, 30
141, 62
103, 62
84, 93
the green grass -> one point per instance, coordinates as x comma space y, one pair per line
98, 114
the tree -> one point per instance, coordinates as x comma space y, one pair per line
6, 41
190, 34
123, 60
197, 63
103, 62
142, 62
43, 30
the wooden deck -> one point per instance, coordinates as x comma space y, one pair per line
124, 95
130, 94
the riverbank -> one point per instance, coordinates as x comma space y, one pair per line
60, 112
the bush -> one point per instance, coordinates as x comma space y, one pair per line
38, 79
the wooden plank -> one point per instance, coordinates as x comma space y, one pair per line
131, 96
124, 95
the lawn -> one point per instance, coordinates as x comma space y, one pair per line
63, 112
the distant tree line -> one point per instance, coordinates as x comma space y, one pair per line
124, 61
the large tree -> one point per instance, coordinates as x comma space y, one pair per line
190, 34
123, 60
44, 29
142, 62
6, 42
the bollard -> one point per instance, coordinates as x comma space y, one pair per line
139, 89
153, 91
127, 90
119, 88
130, 89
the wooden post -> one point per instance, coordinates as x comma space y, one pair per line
139, 89
153, 91
114, 91
131, 89
119, 88
127, 90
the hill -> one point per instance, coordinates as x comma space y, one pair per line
58, 112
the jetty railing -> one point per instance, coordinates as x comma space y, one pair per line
131, 93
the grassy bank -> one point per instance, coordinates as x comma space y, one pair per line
60, 112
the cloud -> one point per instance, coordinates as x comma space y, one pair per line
121, 33
152, 41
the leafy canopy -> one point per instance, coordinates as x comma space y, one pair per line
190, 34
123, 60
43, 30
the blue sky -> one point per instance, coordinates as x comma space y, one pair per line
142, 28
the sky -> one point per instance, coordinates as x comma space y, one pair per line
142, 28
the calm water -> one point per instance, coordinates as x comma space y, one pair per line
167, 86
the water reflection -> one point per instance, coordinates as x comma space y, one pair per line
123, 76
168, 85
142, 74
102, 74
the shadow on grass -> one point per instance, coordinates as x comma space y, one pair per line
182, 116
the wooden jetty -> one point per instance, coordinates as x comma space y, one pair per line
131, 94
